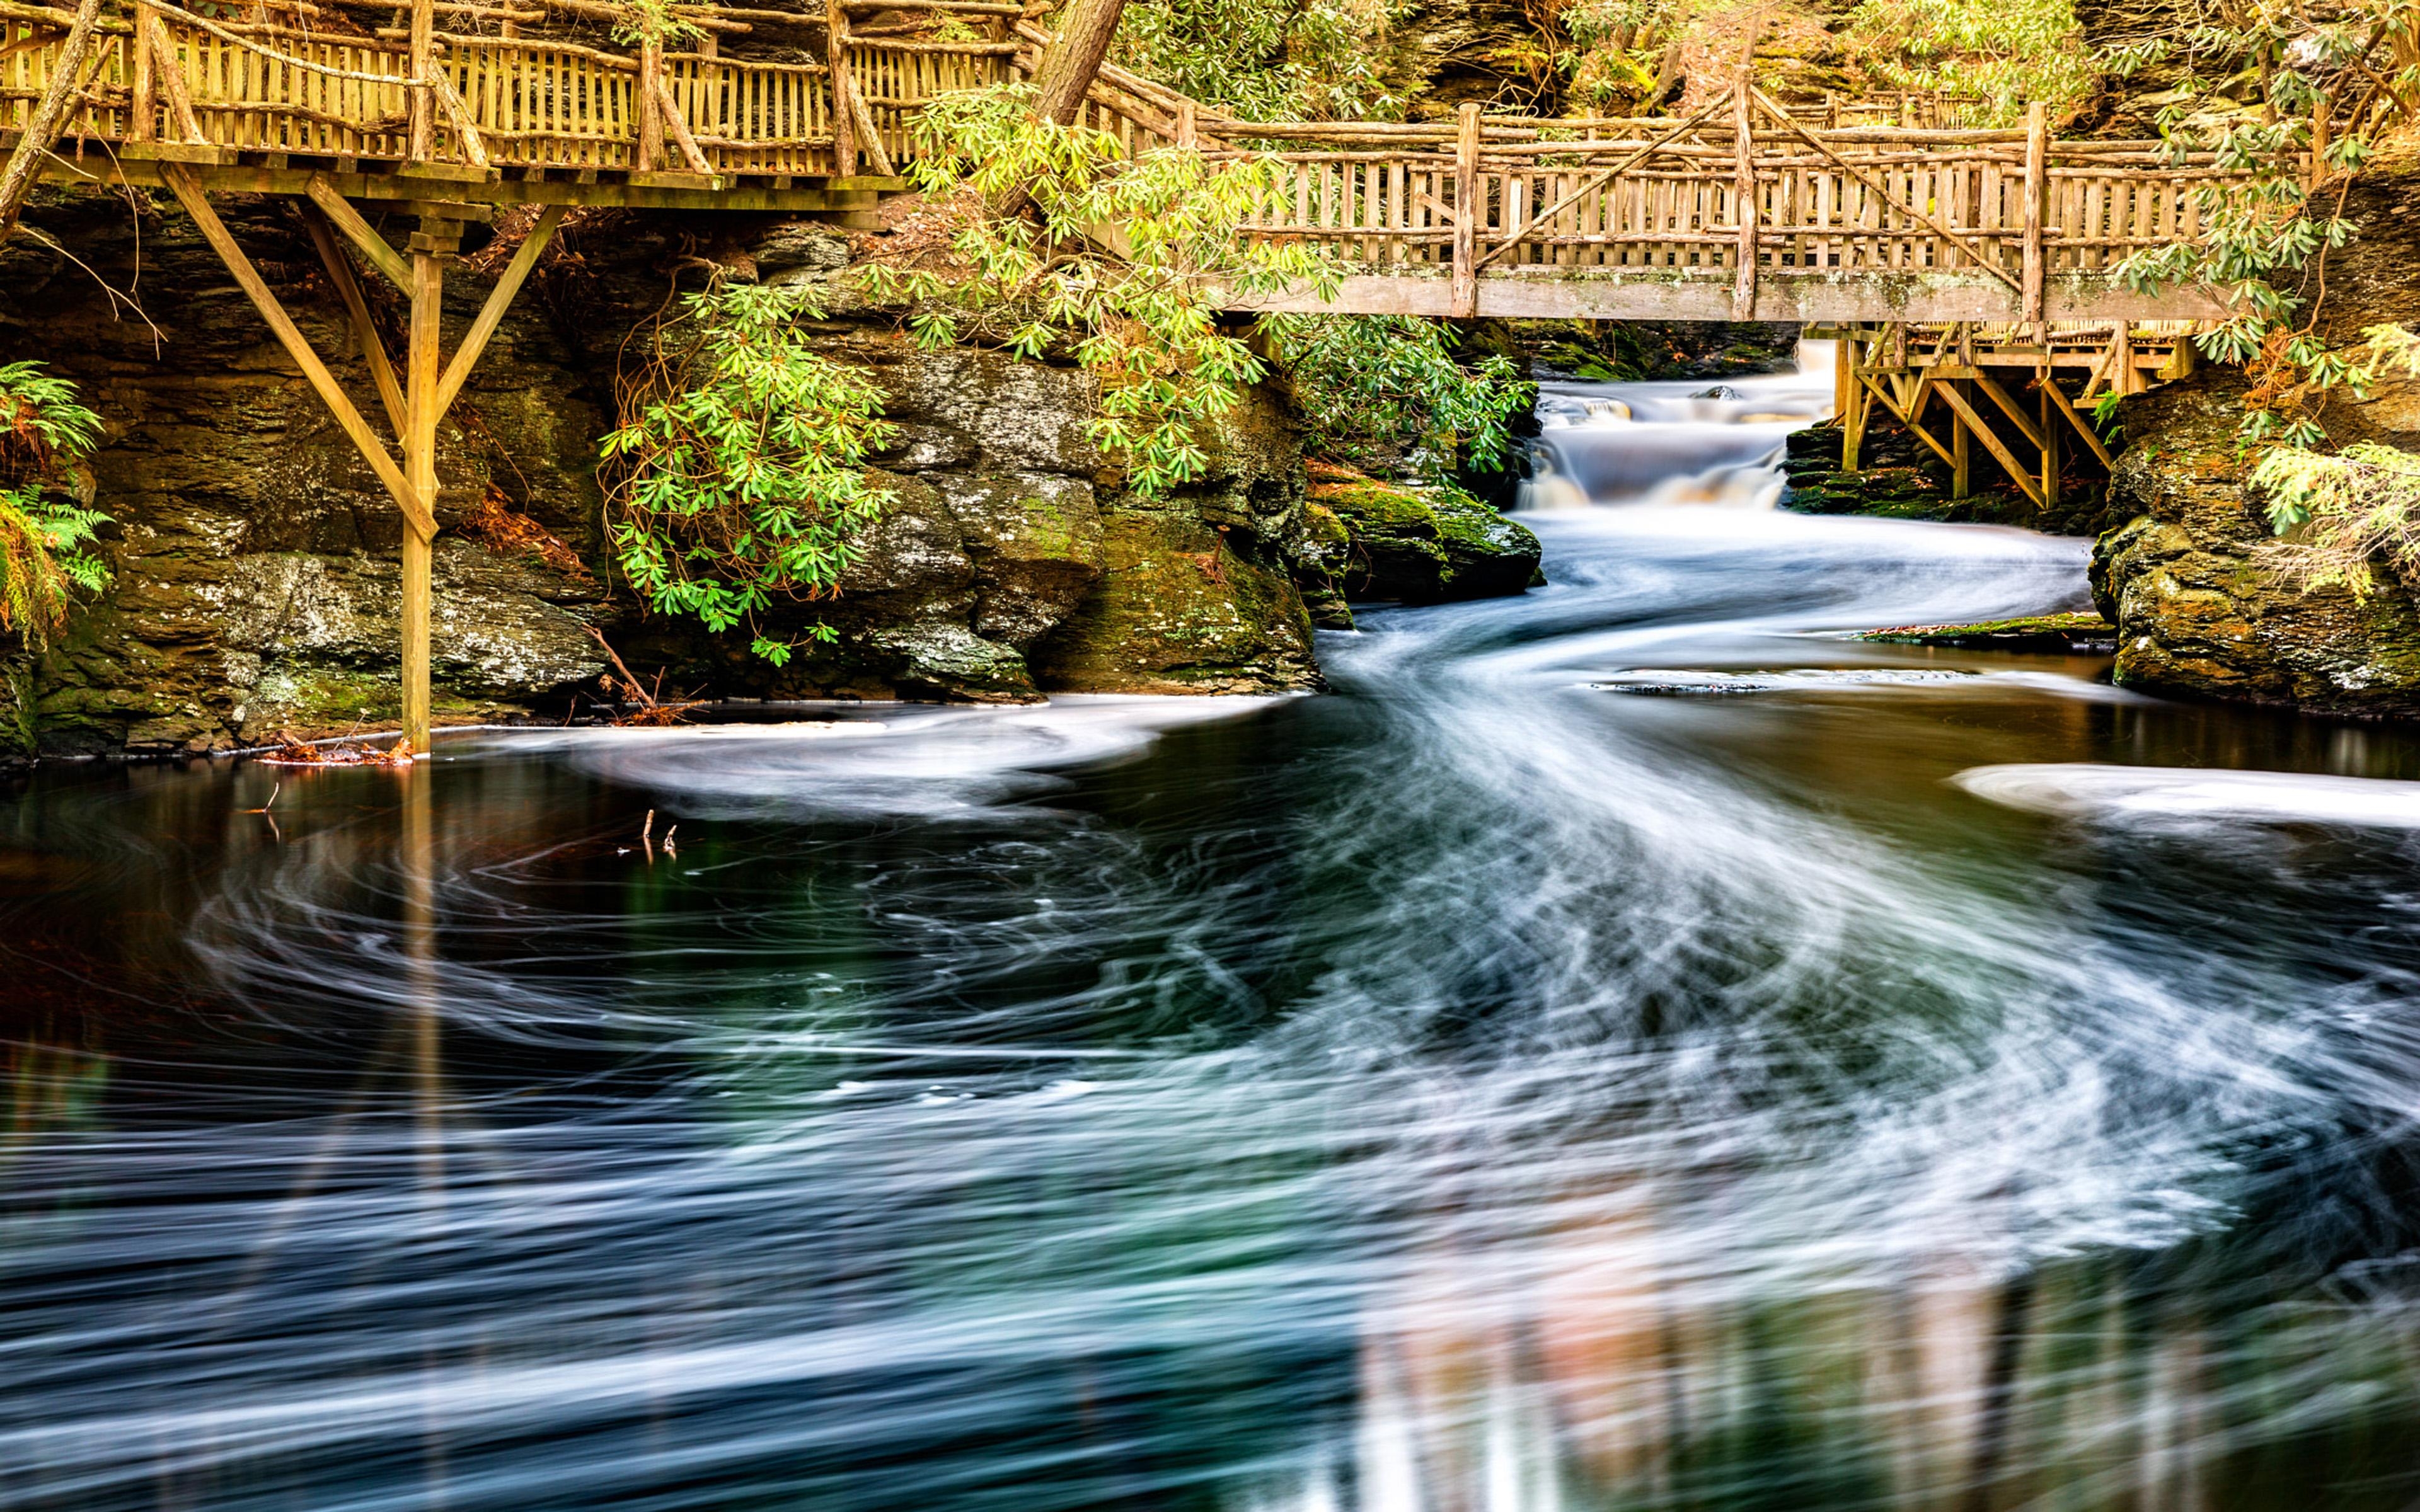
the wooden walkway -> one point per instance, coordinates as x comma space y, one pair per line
1745, 208
1748, 209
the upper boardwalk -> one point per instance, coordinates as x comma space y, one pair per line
1743, 209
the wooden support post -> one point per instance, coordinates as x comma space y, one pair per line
843, 118
1858, 406
1844, 377
322, 382
1188, 125
2052, 464
145, 95
2036, 198
1961, 448
1467, 211
2123, 375
2083, 427
435, 242
422, 103
1972, 425
1744, 205
651, 106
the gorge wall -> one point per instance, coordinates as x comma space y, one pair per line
2191, 573
256, 585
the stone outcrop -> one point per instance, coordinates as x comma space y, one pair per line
256, 588
1419, 543
2191, 573
2201, 607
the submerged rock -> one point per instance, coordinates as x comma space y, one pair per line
1423, 544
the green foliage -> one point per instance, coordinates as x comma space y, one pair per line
46, 539
1369, 384
1120, 264
1268, 59
2346, 510
653, 21
737, 473
2010, 51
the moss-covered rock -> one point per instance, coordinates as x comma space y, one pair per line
1181, 610
2199, 611
1425, 543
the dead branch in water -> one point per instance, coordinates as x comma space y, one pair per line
652, 709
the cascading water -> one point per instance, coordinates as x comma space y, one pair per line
1515, 1080
1673, 441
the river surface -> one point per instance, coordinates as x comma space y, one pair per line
1625, 1046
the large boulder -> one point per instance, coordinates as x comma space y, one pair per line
2202, 603
1423, 543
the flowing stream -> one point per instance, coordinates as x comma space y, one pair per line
1626, 1046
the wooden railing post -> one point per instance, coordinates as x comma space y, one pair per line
1743, 209
651, 111
1188, 125
2037, 199
2322, 107
423, 65
144, 102
843, 118
1467, 211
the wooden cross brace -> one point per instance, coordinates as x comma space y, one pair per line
413, 406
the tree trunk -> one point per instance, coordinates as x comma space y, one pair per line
1068, 67
24, 168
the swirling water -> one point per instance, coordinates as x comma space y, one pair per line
1625, 1046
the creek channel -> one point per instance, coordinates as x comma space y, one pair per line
1627, 1045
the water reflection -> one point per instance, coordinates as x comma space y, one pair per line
1482, 1088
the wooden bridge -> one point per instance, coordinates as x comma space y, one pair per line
1743, 209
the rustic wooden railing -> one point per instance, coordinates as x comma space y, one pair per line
1742, 196
512, 101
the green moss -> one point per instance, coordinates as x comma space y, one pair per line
2047, 632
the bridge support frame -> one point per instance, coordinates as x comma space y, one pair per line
414, 408
1969, 368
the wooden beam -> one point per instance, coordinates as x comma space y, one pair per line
677, 124
1907, 418
1608, 176
1999, 397
2037, 190
50, 112
2018, 473
2083, 426
2053, 465
1744, 205
144, 95
1467, 211
491, 314
340, 273
340, 212
172, 79
416, 511
869, 134
844, 121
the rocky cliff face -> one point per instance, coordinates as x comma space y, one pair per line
2190, 575
255, 555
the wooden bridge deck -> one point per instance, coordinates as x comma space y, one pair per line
1748, 209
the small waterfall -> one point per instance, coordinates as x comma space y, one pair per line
1673, 441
